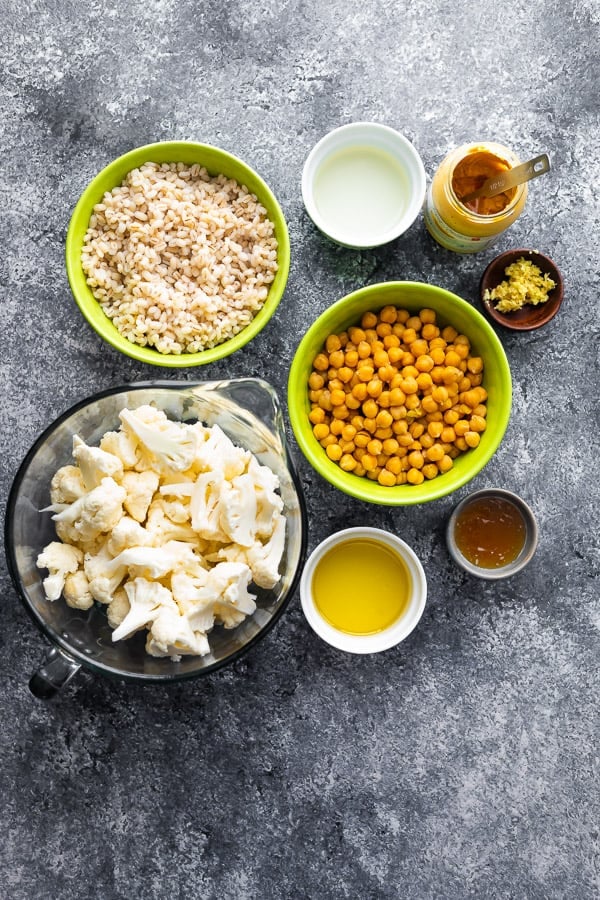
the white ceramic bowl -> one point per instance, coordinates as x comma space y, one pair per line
363, 184
382, 640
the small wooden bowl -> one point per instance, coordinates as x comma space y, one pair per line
528, 317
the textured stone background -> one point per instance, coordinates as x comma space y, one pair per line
465, 762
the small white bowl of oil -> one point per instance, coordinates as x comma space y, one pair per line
363, 185
363, 590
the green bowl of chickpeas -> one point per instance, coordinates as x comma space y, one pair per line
399, 393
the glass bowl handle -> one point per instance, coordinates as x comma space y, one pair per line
57, 670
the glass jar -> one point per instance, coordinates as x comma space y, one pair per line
474, 226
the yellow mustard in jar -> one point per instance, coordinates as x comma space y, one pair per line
468, 227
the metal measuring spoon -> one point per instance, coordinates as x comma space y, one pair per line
497, 184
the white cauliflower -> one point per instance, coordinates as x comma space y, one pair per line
118, 608
204, 505
177, 511
171, 445
154, 562
194, 599
162, 529
171, 635
67, 485
128, 533
121, 444
165, 503
219, 452
230, 582
95, 513
237, 509
140, 487
104, 578
60, 560
77, 591
146, 599
263, 559
95, 464
221, 592
269, 504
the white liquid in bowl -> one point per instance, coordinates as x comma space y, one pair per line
361, 193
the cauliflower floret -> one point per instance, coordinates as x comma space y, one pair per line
95, 464
60, 560
195, 601
118, 608
219, 452
171, 635
269, 504
237, 510
146, 599
140, 487
103, 577
263, 559
204, 506
123, 445
127, 533
222, 592
230, 581
155, 562
177, 511
94, 513
67, 485
162, 529
77, 591
172, 445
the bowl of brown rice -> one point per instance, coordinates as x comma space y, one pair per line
177, 254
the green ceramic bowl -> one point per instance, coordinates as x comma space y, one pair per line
451, 310
216, 162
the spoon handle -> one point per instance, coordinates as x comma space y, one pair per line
509, 179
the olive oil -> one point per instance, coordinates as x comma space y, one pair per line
490, 532
361, 586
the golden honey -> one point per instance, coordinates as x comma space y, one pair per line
490, 532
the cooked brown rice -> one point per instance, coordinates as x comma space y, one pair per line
178, 259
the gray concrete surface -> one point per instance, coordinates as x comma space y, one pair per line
462, 764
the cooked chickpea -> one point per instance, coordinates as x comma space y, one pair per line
445, 463
397, 398
365, 373
360, 391
415, 476
348, 463
477, 423
384, 419
369, 425
475, 365
435, 453
316, 415
429, 331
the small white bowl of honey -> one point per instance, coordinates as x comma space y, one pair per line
492, 534
363, 590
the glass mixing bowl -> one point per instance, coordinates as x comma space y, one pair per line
249, 412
